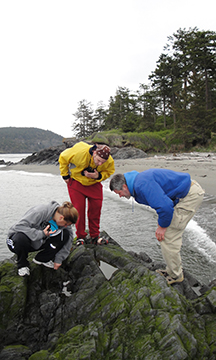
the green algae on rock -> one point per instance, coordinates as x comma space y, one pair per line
132, 315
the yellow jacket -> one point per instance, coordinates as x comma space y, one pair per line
80, 157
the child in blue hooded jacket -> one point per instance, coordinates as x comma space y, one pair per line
175, 198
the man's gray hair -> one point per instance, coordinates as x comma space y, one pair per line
117, 182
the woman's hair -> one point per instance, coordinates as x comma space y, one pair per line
117, 182
69, 212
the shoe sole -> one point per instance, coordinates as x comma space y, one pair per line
162, 272
100, 241
171, 281
24, 275
41, 263
168, 278
79, 243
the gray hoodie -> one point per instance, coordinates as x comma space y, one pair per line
31, 225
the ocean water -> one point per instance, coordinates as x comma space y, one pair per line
12, 157
132, 225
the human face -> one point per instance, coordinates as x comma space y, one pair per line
97, 159
61, 222
124, 192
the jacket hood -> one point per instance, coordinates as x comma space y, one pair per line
130, 178
53, 206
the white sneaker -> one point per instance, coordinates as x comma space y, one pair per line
24, 271
49, 264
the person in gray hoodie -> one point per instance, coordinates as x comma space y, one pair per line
44, 228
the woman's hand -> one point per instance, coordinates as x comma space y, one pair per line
47, 231
91, 175
56, 266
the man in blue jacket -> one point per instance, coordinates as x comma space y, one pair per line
175, 197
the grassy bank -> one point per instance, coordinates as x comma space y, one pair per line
166, 141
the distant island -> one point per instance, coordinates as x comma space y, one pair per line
15, 140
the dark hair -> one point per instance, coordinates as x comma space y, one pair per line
69, 212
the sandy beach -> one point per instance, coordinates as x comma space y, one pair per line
201, 167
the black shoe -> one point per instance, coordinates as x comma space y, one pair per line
80, 242
99, 241
162, 272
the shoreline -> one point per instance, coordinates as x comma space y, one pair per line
201, 167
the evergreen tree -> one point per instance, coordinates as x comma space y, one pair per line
100, 116
147, 107
84, 123
182, 93
112, 119
122, 108
194, 52
162, 81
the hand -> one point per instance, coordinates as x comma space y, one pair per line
91, 175
160, 232
47, 231
56, 266
67, 180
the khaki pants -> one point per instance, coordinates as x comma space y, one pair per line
183, 212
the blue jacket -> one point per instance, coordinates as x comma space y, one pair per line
159, 188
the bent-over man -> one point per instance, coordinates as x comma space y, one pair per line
175, 197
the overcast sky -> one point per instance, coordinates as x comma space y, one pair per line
55, 53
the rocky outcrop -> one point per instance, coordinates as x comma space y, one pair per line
51, 155
47, 156
145, 141
2, 162
82, 312
127, 153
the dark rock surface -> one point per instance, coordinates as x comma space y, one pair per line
2, 162
127, 153
47, 156
51, 155
78, 312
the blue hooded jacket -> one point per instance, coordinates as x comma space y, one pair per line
159, 188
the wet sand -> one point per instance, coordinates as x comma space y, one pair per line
201, 167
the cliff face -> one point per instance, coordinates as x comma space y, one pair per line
78, 312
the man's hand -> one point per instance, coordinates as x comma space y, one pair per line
91, 175
160, 232
67, 180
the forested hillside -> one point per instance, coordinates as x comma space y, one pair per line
26, 140
180, 95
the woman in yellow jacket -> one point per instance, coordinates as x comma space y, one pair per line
83, 167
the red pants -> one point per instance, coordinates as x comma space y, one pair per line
78, 194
